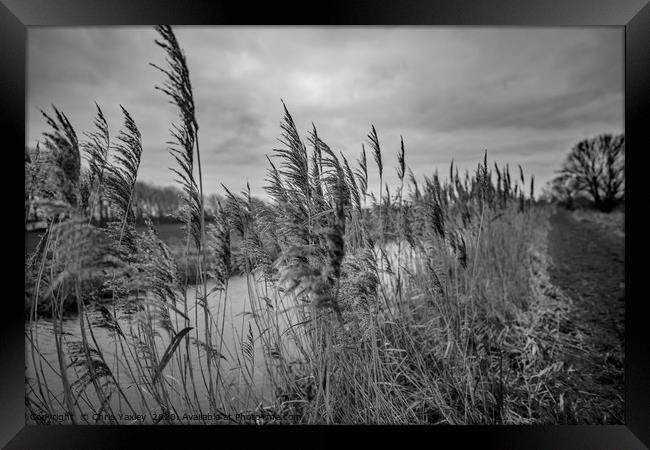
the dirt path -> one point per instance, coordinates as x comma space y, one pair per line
589, 266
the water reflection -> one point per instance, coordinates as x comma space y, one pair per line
238, 323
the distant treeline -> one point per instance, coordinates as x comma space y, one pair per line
161, 204
166, 203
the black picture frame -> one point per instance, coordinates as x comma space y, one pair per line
633, 15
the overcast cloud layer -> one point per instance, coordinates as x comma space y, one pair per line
524, 94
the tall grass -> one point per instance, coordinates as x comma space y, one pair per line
418, 307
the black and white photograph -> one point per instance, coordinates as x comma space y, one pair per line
325, 225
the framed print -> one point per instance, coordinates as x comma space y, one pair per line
392, 217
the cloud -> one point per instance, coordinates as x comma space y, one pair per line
524, 94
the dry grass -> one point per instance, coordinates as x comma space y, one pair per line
613, 222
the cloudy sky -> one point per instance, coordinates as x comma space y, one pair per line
525, 95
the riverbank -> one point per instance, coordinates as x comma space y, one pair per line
170, 233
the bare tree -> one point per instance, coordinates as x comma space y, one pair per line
596, 166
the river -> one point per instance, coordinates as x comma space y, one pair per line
238, 321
